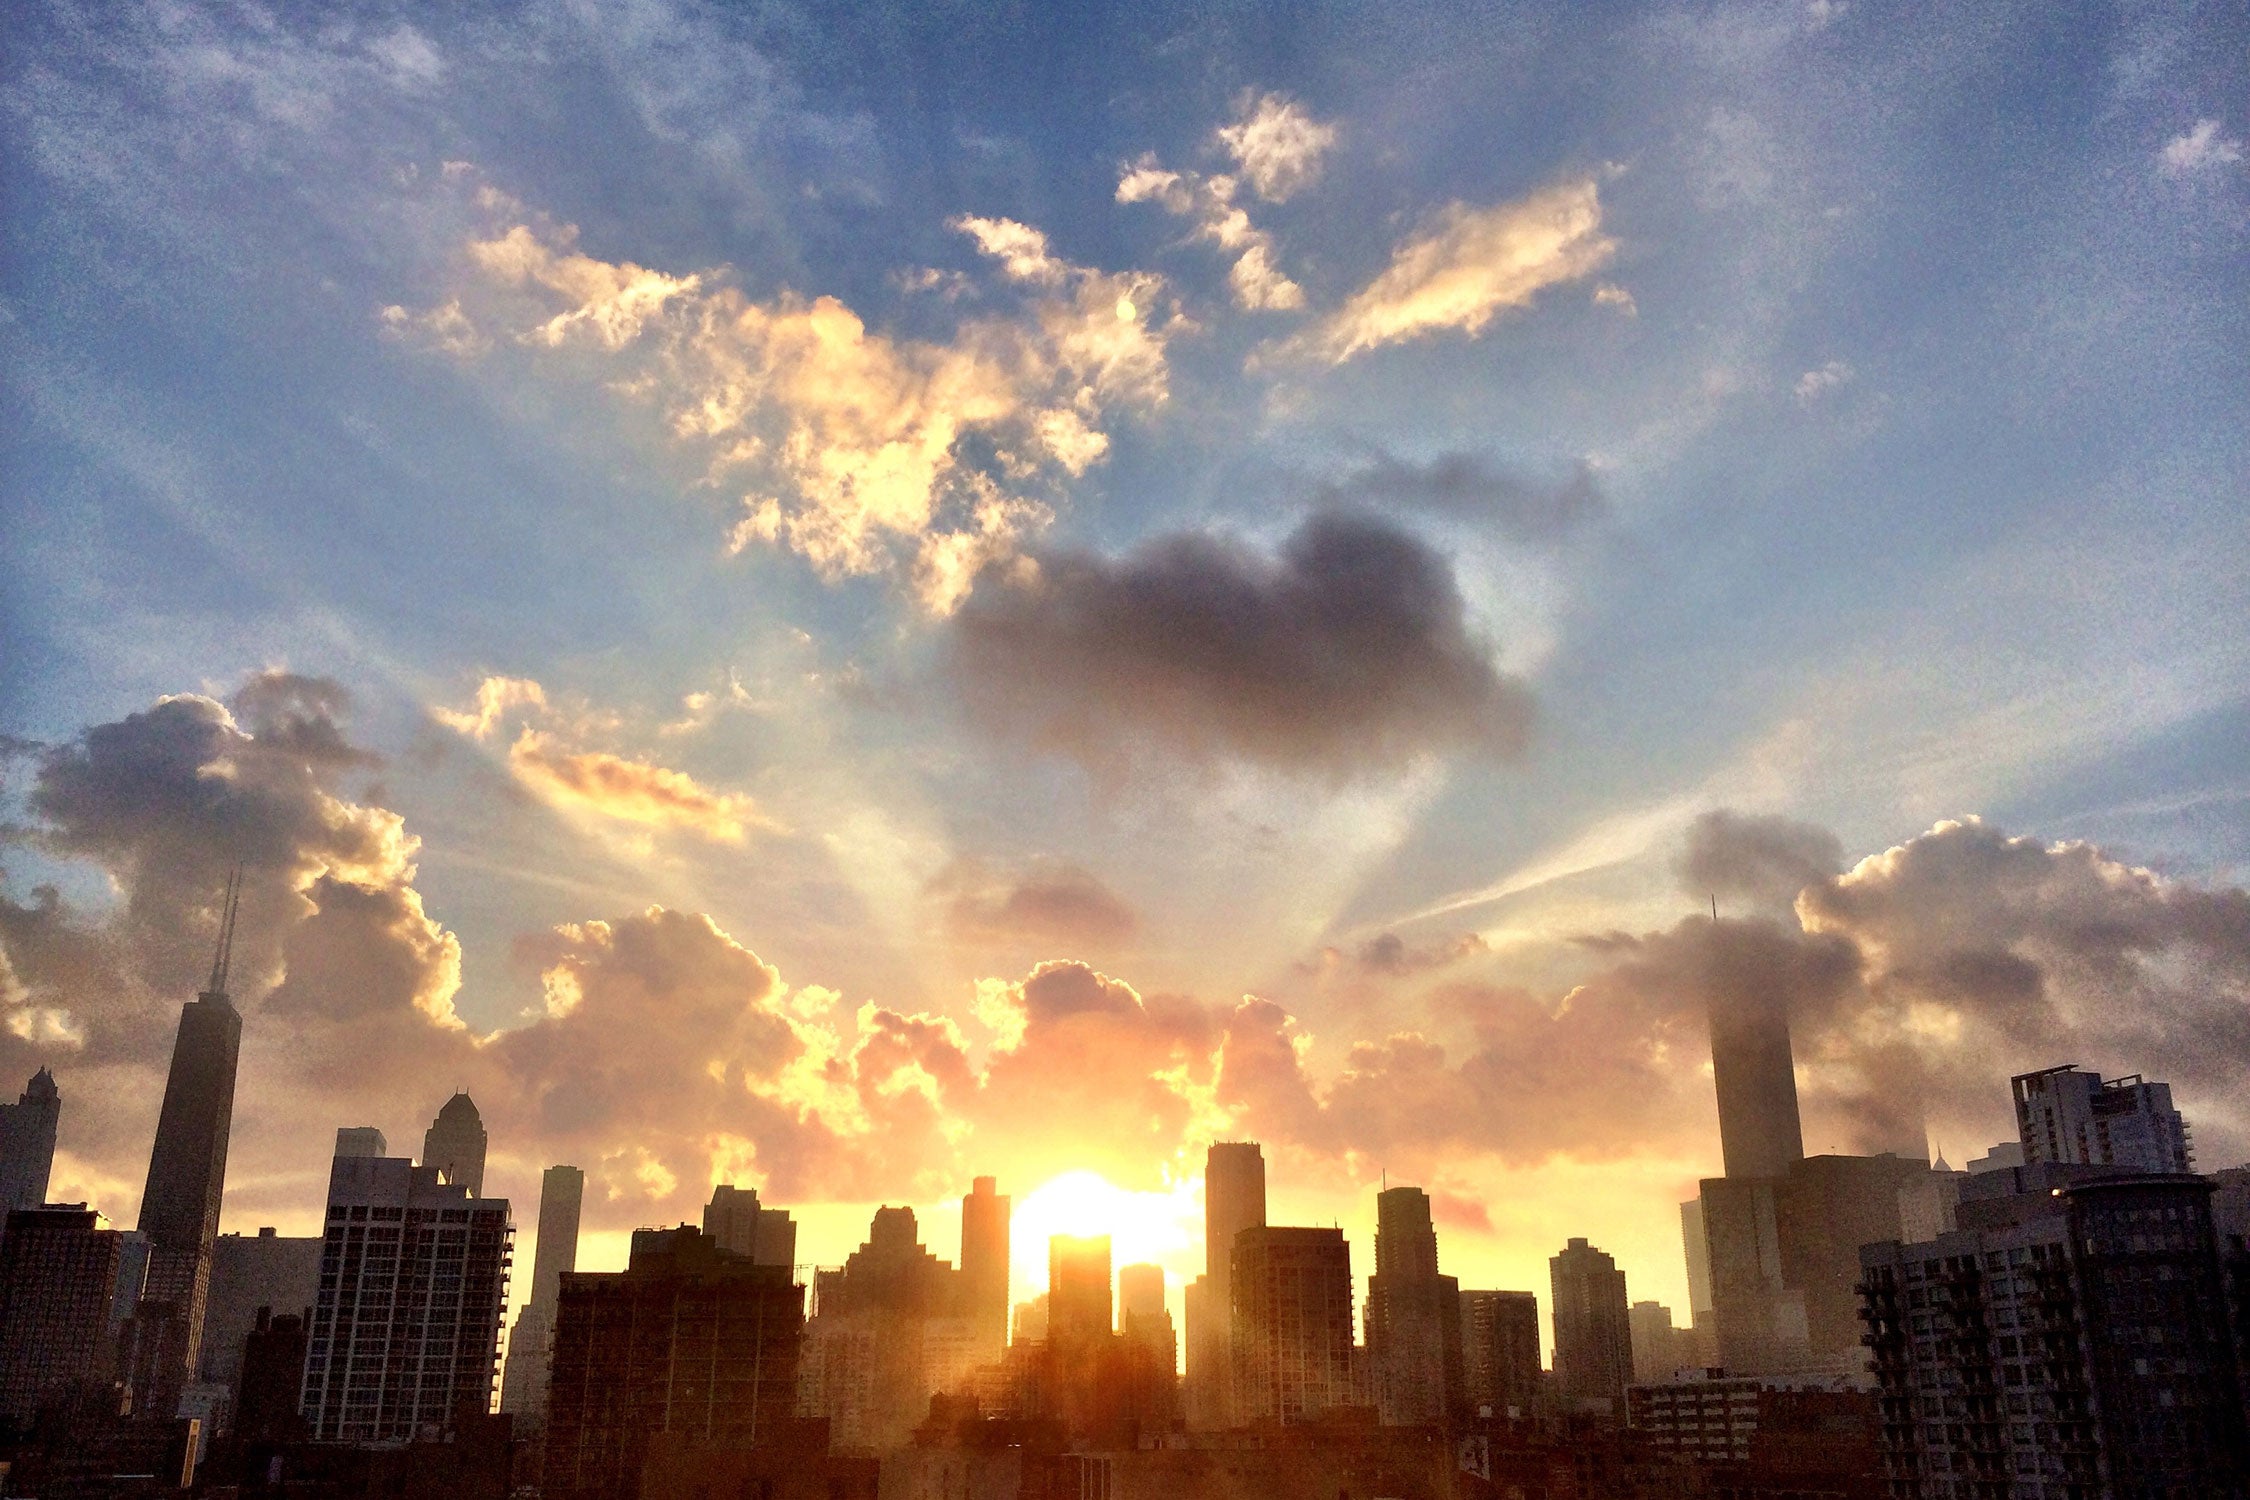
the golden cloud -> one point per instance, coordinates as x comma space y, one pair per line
634, 791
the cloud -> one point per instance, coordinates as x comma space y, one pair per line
1256, 281
1462, 486
2200, 150
1764, 860
495, 697
1814, 384
1348, 651
1052, 904
1609, 294
859, 451
1277, 145
1469, 265
635, 791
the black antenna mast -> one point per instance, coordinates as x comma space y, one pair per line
225, 956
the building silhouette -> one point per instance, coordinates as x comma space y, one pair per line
1234, 1199
1079, 1306
1414, 1352
454, 1144
361, 1140
187, 1169
1142, 1316
27, 1143
406, 1328
250, 1272
2072, 1337
984, 1263
1661, 1349
523, 1387
743, 1226
1755, 1075
58, 1274
689, 1340
271, 1373
1500, 1352
1292, 1341
889, 1331
2067, 1115
1593, 1333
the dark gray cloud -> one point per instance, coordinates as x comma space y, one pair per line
1348, 651
1049, 904
1463, 486
1765, 860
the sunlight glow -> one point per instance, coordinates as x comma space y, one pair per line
1165, 1227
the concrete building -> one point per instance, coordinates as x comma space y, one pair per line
1234, 1199
984, 1263
688, 1341
2067, 1115
1715, 1418
406, 1328
1593, 1331
1661, 1349
361, 1140
1292, 1338
1413, 1317
187, 1170
2071, 1339
744, 1226
249, 1272
454, 1144
1500, 1352
27, 1143
523, 1388
58, 1275
1079, 1307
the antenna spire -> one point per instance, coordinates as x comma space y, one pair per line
1714, 906
225, 956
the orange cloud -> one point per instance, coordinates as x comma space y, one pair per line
634, 791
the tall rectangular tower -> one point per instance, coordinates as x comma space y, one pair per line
187, 1170
27, 1143
1755, 1073
1079, 1308
2067, 1115
984, 1262
1593, 1330
58, 1266
1292, 1323
523, 1390
1234, 1199
1413, 1316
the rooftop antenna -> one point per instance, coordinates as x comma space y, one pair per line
1714, 908
225, 956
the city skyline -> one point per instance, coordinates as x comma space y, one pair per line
836, 604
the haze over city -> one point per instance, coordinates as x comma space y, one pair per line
846, 600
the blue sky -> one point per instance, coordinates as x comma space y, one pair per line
1868, 451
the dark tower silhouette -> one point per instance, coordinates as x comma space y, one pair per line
1413, 1316
454, 1144
1234, 1199
1756, 1080
27, 1143
984, 1262
187, 1170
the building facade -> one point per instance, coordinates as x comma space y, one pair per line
454, 1144
280, 1272
2072, 1340
58, 1274
27, 1143
1292, 1343
1414, 1352
744, 1226
523, 1386
2071, 1116
1234, 1199
1500, 1352
406, 1328
688, 1341
1593, 1331
985, 1213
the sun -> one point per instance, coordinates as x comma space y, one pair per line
1165, 1227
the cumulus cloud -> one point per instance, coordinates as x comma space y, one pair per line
859, 451
1254, 277
1762, 859
2199, 150
1468, 266
1348, 651
1277, 145
1463, 486
1052, 904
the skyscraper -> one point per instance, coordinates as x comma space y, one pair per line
1500, 1351
1292, 1323
523, 1387
361, 1140
1413, 1316
1079, 1309
27, 1143
187, 1170
413, 1278
454, 1144
984, 1262
1234, 1199
58, 1266
250, 1271
1593, 1334
1756, 1077
2067, 1115
743, 1226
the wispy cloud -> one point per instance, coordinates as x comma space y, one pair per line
1277, 145
633, 791
1257, 282
2202, 149
1470, 265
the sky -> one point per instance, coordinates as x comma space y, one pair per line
846, 598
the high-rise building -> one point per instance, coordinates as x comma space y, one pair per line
2072, 1338
523, 1387
1078, 1289
984, 1262
250, 1272
361, 1140
1755, 1074
1661, 1349
888, 1332
2067, 1115
1699, 1281
1413, 1316
1143, 1317
688, 1340
187, 1171
413, 1278
744, 1226
58, 1274
1593, 1331
27, 1143
1292, 1323
1500, 1351
454, 1144
1234, 1199
272, 1372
